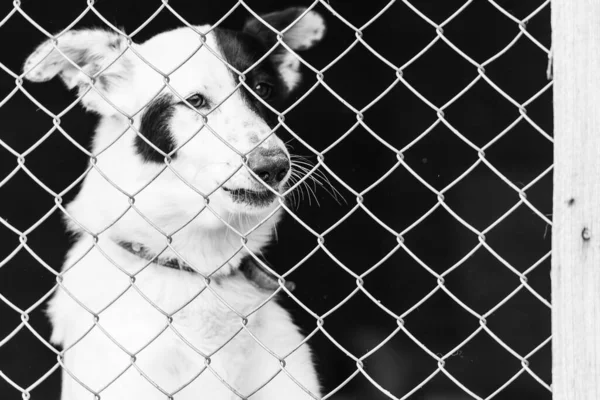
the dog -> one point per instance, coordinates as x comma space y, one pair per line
163, 294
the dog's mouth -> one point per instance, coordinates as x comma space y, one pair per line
256, 198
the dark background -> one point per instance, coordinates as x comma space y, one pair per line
399, 283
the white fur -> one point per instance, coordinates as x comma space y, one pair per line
290, 69
93, 285
305, 33
301, 36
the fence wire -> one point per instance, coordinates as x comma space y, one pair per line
357, 203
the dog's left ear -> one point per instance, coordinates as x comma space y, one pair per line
303, 34
78, 55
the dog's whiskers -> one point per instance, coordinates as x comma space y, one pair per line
300, 187
293, 179
304, 184
302, 165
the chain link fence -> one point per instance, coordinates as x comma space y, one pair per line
422, 275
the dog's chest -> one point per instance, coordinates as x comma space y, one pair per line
157, 300
175, 329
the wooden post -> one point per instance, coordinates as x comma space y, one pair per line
576, 211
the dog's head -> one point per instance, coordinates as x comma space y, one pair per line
172, 104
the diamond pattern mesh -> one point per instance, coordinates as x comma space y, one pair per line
403, 166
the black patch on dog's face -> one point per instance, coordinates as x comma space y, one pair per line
242, 50
154, 126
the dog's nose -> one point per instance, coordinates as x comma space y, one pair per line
271, 166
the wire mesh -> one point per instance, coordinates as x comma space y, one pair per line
357, 202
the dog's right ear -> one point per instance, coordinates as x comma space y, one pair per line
93, 51
303, 30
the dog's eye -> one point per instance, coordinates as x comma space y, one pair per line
263, 90
197, 100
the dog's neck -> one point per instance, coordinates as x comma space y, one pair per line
141, 251
257, 270
216, 251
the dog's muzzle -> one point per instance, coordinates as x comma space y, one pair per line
270, 165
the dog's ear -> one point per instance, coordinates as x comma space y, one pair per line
97, 54
300, 34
